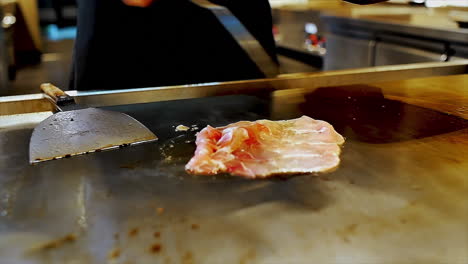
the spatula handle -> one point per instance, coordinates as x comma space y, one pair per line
53, 91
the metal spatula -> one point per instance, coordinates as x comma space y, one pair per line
78, 130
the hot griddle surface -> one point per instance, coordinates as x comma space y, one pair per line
399, 194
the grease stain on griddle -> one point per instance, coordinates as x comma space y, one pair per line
347, 232
67, 239
187, 258
157, 234
248, 257
195, 226
133, 232
114, 254
160, 210
155, 248
325, 178
176, 151
131, 166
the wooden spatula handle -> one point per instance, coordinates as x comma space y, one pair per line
52, 91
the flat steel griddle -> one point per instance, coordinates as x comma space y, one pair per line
399, 196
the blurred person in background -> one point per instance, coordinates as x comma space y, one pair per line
143, 43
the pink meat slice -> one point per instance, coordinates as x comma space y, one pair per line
266, 148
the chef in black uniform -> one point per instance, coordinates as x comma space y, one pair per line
144, 43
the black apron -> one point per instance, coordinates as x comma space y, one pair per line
171, 42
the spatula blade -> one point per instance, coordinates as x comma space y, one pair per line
78, 132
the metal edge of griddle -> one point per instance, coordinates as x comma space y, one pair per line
33, 103
24, 104
284, 82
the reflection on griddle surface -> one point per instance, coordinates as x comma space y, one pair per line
362, 113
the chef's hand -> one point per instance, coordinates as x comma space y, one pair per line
139, 3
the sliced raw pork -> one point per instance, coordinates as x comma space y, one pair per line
266, 148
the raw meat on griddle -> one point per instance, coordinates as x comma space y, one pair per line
266, 148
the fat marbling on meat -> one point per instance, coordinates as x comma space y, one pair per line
266, 148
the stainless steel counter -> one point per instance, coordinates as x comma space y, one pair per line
374, 36
403, 26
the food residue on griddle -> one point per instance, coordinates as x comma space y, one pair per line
248, 257
160, 210
347, 232
157, 234
156, 248
129, 166
195, 226
324, 178
187, 258
114, 253
133, 232
182, 128
56, 243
